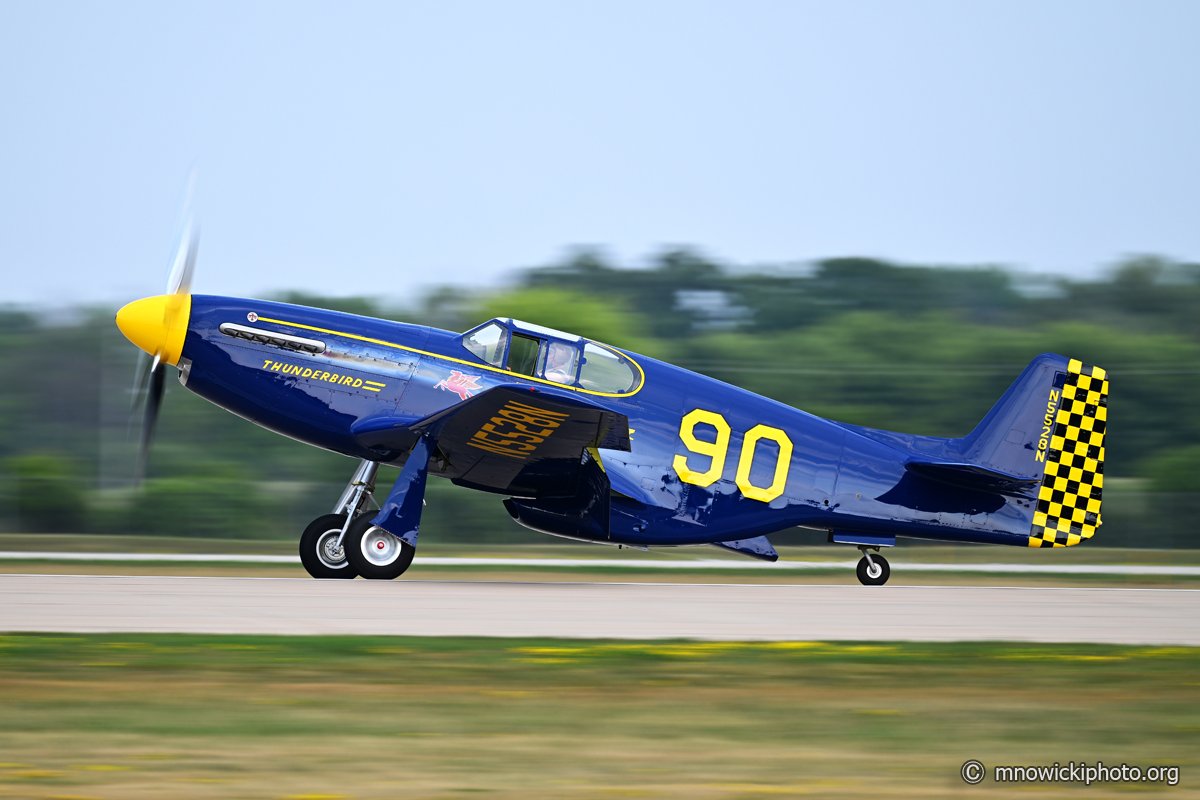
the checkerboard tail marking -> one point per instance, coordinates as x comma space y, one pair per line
1068, 506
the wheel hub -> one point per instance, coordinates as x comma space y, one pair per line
380, 547
329, 551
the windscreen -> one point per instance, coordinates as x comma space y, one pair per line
487, 343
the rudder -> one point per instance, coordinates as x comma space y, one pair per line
1068, 505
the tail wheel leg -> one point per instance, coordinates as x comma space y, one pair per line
873, 570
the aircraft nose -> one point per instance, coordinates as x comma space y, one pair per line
157, 324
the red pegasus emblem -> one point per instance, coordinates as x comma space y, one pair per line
462, 385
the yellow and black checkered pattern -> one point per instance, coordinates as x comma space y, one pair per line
1068, 506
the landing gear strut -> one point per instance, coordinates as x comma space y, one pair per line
382, 546
873, 570
322, 548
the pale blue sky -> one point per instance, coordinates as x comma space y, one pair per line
357, 148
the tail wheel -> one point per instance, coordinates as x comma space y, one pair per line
319, 551
876, 575
374, 553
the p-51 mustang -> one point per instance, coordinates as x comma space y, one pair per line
595, 443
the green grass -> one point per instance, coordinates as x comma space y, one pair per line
130, 716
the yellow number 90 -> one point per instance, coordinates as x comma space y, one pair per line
717, 451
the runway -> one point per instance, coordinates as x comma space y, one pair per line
93, 604
608, 563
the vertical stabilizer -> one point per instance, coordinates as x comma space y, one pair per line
1014, 437
1049, 427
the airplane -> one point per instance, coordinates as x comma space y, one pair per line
600, 444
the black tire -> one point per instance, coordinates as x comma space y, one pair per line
864, 571
374, 553
317, 553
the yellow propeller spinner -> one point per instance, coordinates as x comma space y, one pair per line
157, 324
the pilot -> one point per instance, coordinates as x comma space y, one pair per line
560, 362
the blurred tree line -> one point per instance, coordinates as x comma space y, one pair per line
919, 349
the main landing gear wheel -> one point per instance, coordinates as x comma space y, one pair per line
375, 553
873, 574
319, 551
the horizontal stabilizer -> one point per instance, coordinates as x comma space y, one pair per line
758, 547
973, 476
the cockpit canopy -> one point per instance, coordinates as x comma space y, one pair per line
551, 355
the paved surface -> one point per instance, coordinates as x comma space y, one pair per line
67, 603
592, 563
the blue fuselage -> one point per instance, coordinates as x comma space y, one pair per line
687, 480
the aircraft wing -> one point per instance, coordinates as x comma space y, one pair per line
516, 440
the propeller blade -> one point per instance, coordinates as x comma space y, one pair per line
151, 373
141, 375
179, 279
154, 397
184, 263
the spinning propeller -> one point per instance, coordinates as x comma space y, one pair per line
158, 325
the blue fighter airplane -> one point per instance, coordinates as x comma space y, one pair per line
595, 443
